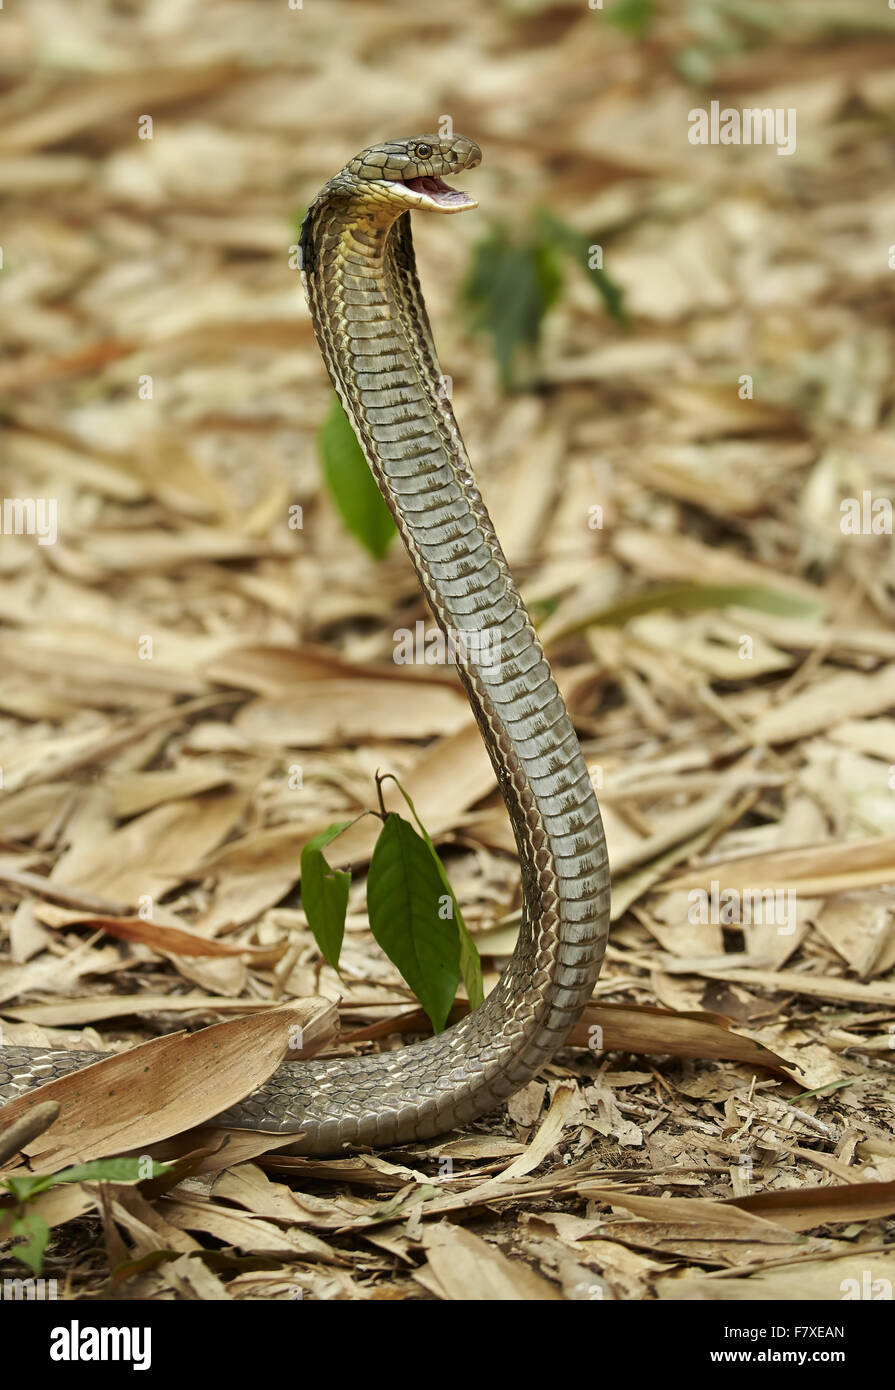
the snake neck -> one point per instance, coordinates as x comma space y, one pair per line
373, 331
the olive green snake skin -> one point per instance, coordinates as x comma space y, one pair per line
359, 273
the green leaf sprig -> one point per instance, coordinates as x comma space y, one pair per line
413, 911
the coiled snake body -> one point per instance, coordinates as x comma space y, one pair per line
359, 274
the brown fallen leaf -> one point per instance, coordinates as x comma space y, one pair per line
134, 1098
168, 940
813, 872
59, 893
727, 1217
248, 1186
467, 1268
276, 671
639, 1028
50, 457
35, 369
803, 1208
545, 1140
697, 1243
644, 1029
111, 95
850, 694
210, 1149
135, 792
99, 747
126, 1209
195, 1212
680, 557
82, 1011
875, 992
356, 1170
124, 551
151, 853
337, 711
861, 1276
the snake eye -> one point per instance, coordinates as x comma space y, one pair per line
422, 150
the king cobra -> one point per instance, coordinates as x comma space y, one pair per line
359, 274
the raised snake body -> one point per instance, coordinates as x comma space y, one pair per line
360, 278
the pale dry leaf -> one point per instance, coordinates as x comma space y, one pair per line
326, 711
852, 1276
467, 1268
170, 1084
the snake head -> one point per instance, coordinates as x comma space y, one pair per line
410, 173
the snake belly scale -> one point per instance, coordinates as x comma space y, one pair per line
359, 274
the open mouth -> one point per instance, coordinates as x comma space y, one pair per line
440, 192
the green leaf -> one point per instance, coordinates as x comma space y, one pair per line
100, 1170
324, 893
112, 1170
470, 961
351, 484
405, 895
695, 597
825, 1090
37, 1234
25, 1188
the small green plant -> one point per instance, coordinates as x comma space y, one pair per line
513, 282
414, 915
20, 1218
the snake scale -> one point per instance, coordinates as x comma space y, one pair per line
359, 274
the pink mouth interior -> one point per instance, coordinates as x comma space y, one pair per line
438, 191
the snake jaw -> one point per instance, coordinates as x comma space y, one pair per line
408, 173
434, 193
